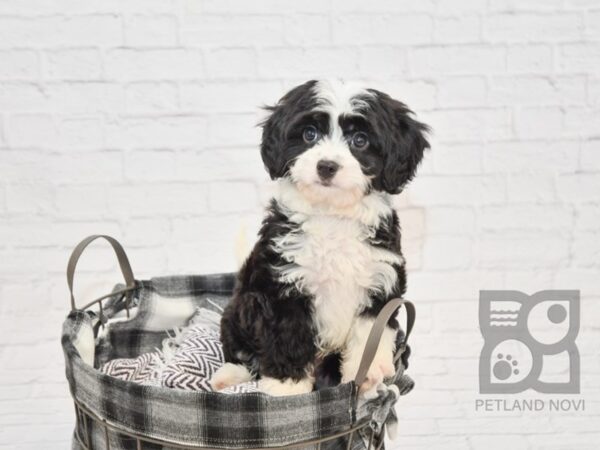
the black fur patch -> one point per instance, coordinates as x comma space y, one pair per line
269, 325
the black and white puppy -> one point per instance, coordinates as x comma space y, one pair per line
328, 255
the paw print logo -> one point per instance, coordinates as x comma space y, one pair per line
526, 339
505, 366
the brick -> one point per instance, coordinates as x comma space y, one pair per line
532, 187
587, 217
526, 217
579, 57
210, 242
461, 29
148, 6
431, 441
462, 91
581, 121
382, 29
40, 233
514, 442
537, 91
583, 441
594, 91
592, 28
152, 132
451, 285
469, 125
243, 96
584, 279
539, 123
298, 33
420, 95
150, 200
577, 188
69, 201
452, 159
207, 29
150, 165
19, 64
449, 220
468, 59
151, 31
523, 250
148, 97
23, 97
527, 5
246, 132
30, 198
303, 63
529, 27
465, 6
232, 196
145, 232
495, 427
19, 165
73, 64
220, 164
20, 131
536, 58
457, 190
86, 167
587, 248
520, 156
87, 132
447, 252
86, 97
242, 7
90, 30
154, 64
382, 62
528, 280
43, 7
231, 63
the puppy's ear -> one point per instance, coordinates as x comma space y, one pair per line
275, 127
403, 140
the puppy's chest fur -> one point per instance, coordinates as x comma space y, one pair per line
336, 261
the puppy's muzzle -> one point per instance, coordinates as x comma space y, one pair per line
327, 169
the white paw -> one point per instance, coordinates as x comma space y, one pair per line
288, 386
382, 367
229, 375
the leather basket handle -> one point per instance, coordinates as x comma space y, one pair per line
121, 257
377, 331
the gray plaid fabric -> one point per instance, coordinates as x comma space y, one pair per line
195, 419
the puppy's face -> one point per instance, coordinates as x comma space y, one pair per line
337, 143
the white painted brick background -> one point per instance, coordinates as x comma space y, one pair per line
137, 118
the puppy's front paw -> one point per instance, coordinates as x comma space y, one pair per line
382, 367
229, 375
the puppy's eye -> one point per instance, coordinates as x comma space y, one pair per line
360, 140
310, 134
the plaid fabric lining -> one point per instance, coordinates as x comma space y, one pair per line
251, 420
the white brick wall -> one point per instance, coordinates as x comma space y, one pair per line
136, 118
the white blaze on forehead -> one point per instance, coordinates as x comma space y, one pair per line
338, 98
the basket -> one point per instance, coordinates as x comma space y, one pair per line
116, 414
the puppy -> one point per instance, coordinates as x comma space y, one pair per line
328, 255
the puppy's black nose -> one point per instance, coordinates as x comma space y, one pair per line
327, 169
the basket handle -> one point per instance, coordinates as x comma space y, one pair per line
121, 257
377, 330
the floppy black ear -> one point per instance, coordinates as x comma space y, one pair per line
403, 141
275, 127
